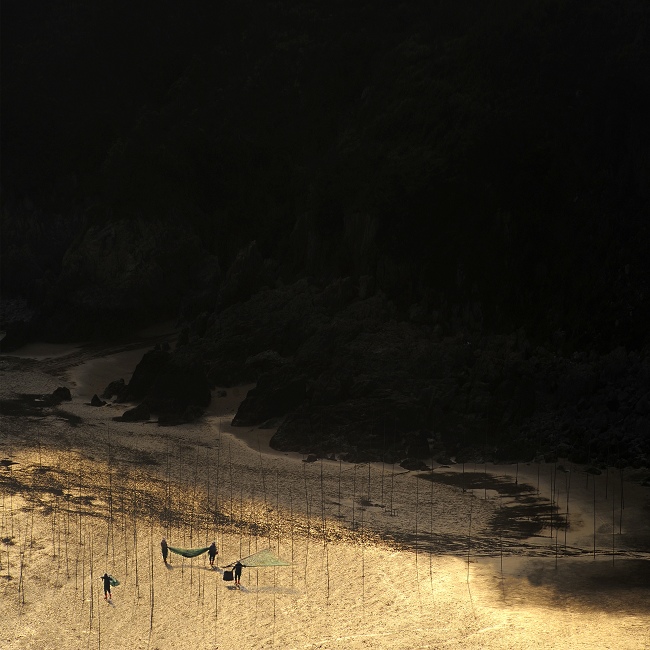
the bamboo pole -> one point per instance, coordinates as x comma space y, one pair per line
557, 526
304, 467
392, 489
241, 519
568, 492
217, 505
594, 484
126, 550
292, 531
232, 515
620, 523
216, 611
417, 567
354, 493
21, 588
485, 467
277, 504
266, 507
324, 526
383, 465
613, 523
469, 538
363, 566
369, 499
417, 499
151, 585
207, 488
99, 618
552, 504
92, 581
431, 529
340, 471
83, 577
135, 545
68, 496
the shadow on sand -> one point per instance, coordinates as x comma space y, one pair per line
621, 587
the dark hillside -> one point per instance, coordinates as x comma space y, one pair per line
483, 169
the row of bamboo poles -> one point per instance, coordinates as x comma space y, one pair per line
194, 509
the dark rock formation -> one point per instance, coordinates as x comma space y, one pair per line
62, 394
146, 373
277, 392
179, 383
173, 385
115, 389
95, 401
175, 416
138, 414
414, 465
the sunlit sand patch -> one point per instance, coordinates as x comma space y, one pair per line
389, 559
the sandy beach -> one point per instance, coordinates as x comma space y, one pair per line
523, 556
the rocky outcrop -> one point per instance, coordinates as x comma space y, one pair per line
62, 394
140, 413
356, 379
121, 274
172, 385
277, 393
115, 389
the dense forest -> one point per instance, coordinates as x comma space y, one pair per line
484, 167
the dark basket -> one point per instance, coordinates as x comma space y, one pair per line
227, 575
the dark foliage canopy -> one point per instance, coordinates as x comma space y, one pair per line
500, 150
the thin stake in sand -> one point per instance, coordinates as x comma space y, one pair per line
369, 499
266, 508
552, 503
431, 530
383, 467
217, 505
304, 467
151, 584
324, 526
620, 523
392, 477
594, 483
232, 516
241, 519
568, 490
21, 586
363, 565
292, 530
135, 544
557, 526
92, 582
417, 569
354, 493
469, 537
126, 550
340, 471
613, 523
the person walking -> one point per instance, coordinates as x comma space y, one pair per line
165, 549
107, 586
238, 567
212, 552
